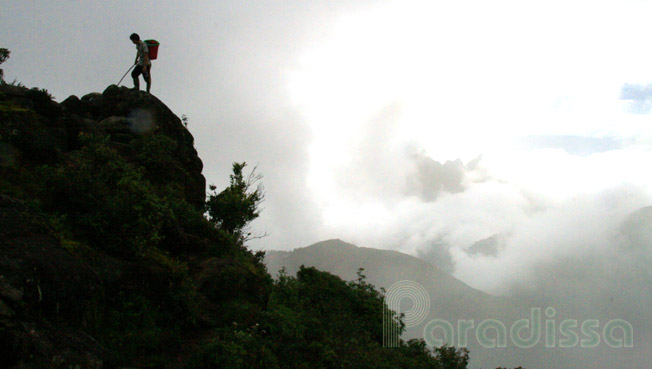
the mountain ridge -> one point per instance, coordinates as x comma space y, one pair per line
338, 244
112, 255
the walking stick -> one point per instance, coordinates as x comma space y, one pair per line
123, 77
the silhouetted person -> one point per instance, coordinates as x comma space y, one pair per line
144, 65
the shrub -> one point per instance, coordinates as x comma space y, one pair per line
106, 200
236, 206
4, 55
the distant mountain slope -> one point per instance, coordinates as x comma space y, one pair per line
575, 289
450, 299
383, 268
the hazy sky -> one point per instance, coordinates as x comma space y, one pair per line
421, 126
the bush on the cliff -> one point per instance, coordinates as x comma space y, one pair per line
105, 200
317, 320
167, 274
4, 55
237, 205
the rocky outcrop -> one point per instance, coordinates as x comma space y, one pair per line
42, 286
57, 294
37, 129
106, 257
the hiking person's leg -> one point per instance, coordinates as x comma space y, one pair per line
137, 71
147, 74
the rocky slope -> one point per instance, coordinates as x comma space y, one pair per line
112, 257
36, 129
105, 256
449, 299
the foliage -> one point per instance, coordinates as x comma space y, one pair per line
236, 348
106, 200
146, 332
451, 358
317, 320
156, 155
237, 205
40, 95
4, 55
182, 277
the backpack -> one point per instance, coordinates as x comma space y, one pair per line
152, 48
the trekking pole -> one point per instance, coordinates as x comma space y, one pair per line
123, 77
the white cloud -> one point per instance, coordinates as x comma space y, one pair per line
472, 79
331, 99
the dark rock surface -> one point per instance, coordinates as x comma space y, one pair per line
51, 287
42, 286
37, 129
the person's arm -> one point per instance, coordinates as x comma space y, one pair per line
146, 54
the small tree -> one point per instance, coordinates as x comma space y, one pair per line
236, 206
451, 358
4, 55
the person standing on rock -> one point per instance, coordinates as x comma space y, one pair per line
143, 64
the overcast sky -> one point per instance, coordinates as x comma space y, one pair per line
420, 126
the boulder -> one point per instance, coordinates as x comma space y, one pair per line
37, 129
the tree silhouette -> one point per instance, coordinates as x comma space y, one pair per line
4, 55
236, 206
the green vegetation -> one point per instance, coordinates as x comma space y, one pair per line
104, 200
174, 284
317, 320
4, 55
236, 206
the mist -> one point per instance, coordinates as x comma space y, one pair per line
509, 153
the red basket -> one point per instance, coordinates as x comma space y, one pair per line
152, 48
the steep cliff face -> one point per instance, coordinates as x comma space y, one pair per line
105, 253
108, 260
36, 129
44, 292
